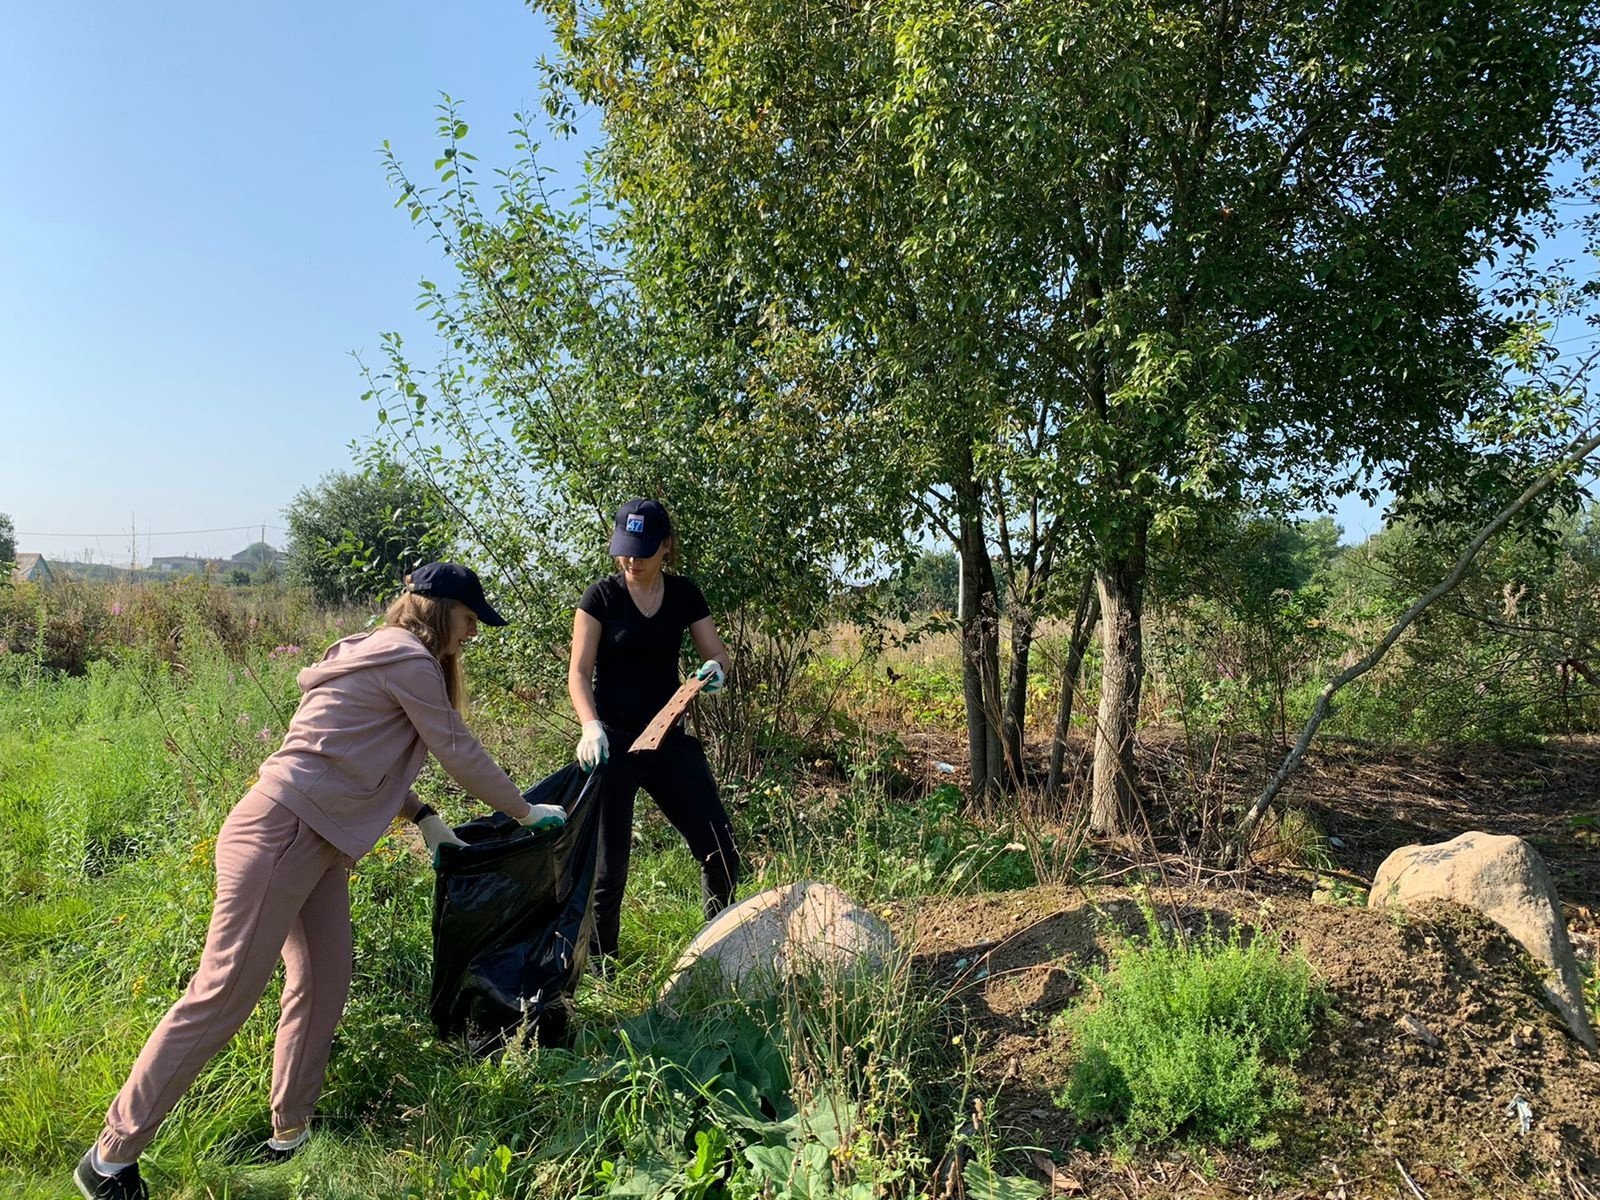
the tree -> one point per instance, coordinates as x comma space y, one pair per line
563, 391
1094, 264
929, 584
354, 535
8, 546
1553, 478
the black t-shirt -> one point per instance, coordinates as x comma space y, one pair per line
636, 667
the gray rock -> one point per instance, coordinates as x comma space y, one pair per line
1505, 879
799, 928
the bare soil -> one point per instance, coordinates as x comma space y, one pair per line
1385, 1113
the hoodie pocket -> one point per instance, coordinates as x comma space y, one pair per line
345, 802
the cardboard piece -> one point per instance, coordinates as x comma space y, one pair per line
674, 708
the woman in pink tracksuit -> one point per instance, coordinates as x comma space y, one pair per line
372, 710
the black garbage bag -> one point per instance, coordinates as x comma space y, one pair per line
512, 918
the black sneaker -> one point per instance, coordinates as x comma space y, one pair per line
275, 1151
124, 1185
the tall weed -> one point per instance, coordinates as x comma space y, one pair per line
878, 845
827, 1088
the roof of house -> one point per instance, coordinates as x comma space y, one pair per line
30, 566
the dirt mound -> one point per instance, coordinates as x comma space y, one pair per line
1411, 1088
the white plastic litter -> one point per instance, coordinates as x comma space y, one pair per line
1522, 1111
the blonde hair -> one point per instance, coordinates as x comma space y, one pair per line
428, 619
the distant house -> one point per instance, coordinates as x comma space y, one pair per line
251, 558
185, 564
257, 555
32, 568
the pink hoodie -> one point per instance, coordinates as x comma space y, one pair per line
372, 709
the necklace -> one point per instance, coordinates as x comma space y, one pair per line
648, 600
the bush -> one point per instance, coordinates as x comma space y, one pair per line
353, 536
1191, 1037
67, 625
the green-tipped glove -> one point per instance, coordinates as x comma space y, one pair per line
544, 816
711, 671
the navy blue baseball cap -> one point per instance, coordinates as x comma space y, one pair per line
451, 581
642, 526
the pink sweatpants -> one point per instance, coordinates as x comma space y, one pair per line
281, 890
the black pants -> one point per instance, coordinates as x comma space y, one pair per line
678, 778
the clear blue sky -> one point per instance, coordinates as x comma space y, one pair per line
195, 233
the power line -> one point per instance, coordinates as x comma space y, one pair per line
157, 533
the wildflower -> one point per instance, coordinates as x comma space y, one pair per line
116, 609
265, 736
288, 651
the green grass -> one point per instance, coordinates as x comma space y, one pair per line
1190, 1038
113, 784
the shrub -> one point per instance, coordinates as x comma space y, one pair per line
352, 536
67, 625
1191, 1037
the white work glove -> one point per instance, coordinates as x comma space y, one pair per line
436, 833
711, 672
544, 816
593, 748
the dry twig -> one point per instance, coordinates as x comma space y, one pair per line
1410, 1182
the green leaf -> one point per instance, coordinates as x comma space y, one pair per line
984, 1184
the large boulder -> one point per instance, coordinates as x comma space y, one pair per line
1505, 879
799, 928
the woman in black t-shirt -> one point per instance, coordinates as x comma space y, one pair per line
626, 638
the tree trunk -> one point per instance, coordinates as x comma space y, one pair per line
1016, 710
1114, 794
980, 653
1083, 623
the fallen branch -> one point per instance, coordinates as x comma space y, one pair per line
1569, 462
